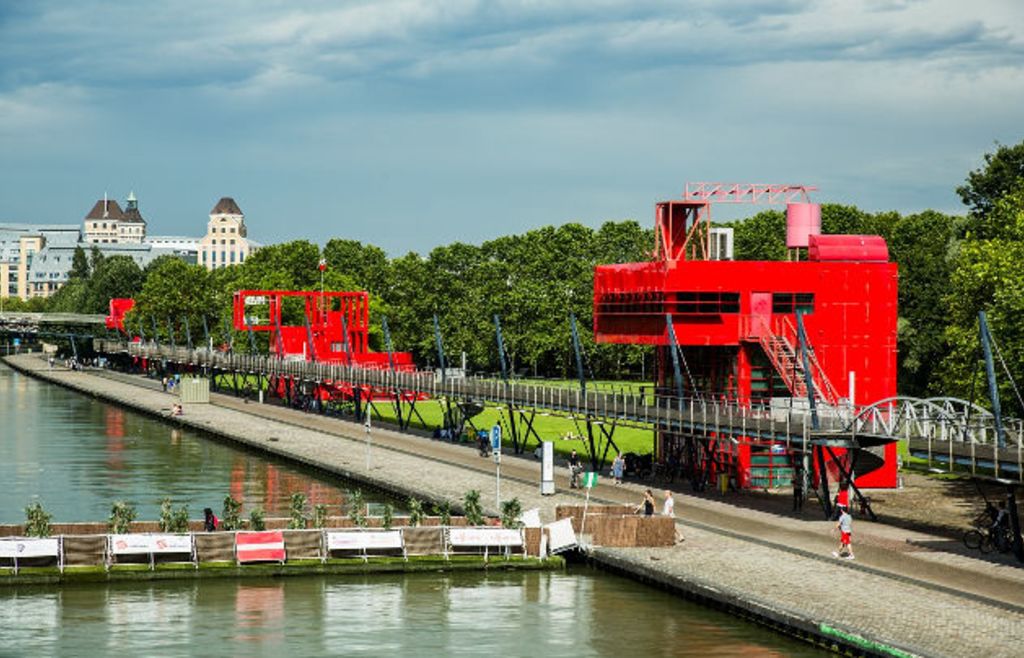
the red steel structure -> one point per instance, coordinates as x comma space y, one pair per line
735, 321
320, 333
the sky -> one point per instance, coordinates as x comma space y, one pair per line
415, 123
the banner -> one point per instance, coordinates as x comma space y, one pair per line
260, 546
485, 537
25, 548
136, 544
358, 541
563, 537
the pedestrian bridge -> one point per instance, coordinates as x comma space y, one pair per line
942, 430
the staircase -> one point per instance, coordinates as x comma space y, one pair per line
779, 343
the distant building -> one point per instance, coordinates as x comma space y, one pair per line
35, 259
20, 246
225, 242
106, 223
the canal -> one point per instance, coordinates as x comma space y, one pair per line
78, 455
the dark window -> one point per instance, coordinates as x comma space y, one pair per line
707, 302
791, 302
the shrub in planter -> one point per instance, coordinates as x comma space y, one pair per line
387, 517
415, 512
511, 510
37, 521
320, 516
444, 511
257, 520
122, 514
472, 508
357, 507
230, 518
297, 512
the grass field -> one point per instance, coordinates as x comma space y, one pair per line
565, 433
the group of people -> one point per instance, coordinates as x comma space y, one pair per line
668, 508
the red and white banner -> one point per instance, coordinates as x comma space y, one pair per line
23, 548
485, 537
136, 544
260, 546
357, 540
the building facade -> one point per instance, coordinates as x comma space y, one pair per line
226, 242
35, 259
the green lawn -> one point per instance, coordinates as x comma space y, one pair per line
565, 433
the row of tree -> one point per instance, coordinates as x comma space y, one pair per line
950, 268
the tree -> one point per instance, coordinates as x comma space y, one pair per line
987, 276
174, 290
79, 264
761, 237
117, 276
1003, 171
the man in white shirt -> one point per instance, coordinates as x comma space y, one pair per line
845, 527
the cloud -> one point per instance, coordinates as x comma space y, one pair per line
418, 113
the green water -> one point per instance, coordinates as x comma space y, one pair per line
78, 455
579, 613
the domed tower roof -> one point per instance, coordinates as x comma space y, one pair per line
226, 206
131, 211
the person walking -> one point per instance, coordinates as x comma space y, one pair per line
574, 469
669, 509
646, 505
798, 492
845, 527
618, 466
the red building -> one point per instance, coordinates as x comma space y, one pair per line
735, 320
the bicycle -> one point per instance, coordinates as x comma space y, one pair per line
988, 541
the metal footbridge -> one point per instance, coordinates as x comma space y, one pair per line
945, 431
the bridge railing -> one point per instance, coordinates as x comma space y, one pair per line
902, 418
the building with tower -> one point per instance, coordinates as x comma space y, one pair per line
226, 242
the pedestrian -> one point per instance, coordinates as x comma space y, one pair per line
163, 382
798, 492
845, 527
210, 520
618, 465
669, 509
574, 469
646, 505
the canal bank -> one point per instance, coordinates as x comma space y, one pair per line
760, 575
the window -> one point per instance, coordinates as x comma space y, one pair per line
707, 302
791, 302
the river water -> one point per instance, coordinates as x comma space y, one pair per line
77, 455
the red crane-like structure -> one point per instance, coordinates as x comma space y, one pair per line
768, 334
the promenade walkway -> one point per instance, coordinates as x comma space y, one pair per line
900, 592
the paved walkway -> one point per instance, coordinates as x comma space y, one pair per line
900, 591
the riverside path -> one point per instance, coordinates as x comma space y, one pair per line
903, 594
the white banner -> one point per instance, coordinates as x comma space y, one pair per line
146, 544
24, 548
485, 537
171, 543
357, 541
562, 535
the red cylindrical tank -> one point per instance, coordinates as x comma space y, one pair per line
861, 248
802, 221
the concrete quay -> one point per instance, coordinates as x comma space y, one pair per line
904, 594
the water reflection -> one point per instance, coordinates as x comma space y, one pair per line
78, 456
580, 613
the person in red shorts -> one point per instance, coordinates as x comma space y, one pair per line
845, 527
